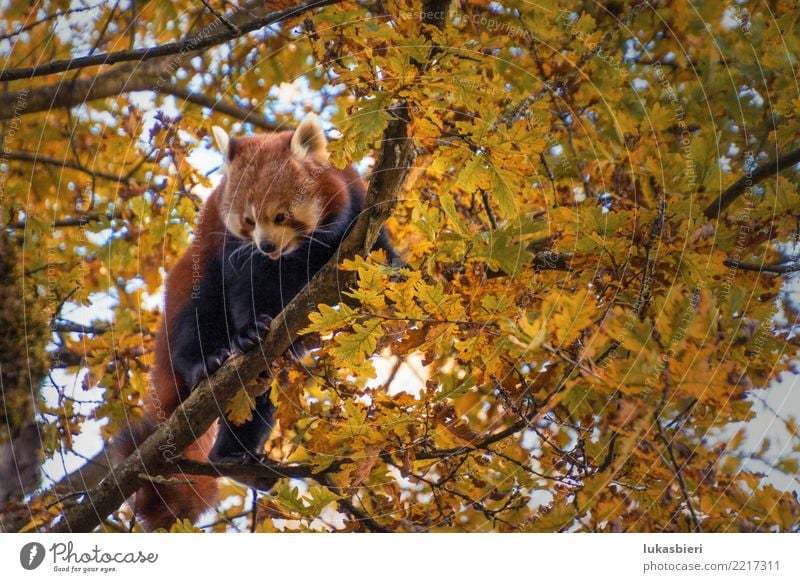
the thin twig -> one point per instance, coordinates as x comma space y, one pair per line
49, 17
677, 471
81, 220
222, 18
357, 514
491, 439
251, 115
37, 158
488, 207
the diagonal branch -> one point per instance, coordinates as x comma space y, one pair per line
192, 43
248, 115
739, 187
221, 17
207, 401
677, 469
117, 82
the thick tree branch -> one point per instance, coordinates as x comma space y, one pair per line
153, 75
739, 187
192, 43
777, 269
207, 401
124, 79
118, 82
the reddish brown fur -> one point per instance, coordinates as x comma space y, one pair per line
263, 171
266, 175
157, 506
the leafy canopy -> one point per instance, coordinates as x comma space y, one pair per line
584, 357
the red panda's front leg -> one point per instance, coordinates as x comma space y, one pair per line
252, 334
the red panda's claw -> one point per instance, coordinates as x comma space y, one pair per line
208, 366
253, 334
216, 360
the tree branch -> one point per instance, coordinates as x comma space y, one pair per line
272, 471
191, 43
37, 158
221, 17
48, 18
64, 358
206, 403
267, 469
251, 115
65, 326
153, 75
777, 269
677, 470
356, 514
70, 221
124, 79
739, 187
482, 444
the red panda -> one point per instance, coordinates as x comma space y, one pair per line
278, 215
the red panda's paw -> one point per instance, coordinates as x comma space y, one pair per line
252, 335
211, 364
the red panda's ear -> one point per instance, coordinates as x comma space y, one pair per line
226, 144
309, 140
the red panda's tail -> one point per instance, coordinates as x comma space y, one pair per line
159, 506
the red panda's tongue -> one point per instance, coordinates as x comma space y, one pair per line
274, 255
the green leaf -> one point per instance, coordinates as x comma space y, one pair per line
353, 348
319, 498
362, 129
240, 407
328, 319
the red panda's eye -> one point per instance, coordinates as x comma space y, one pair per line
280, 217
249, 221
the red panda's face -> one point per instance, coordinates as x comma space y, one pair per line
274, 196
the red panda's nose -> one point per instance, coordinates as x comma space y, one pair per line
266, 246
